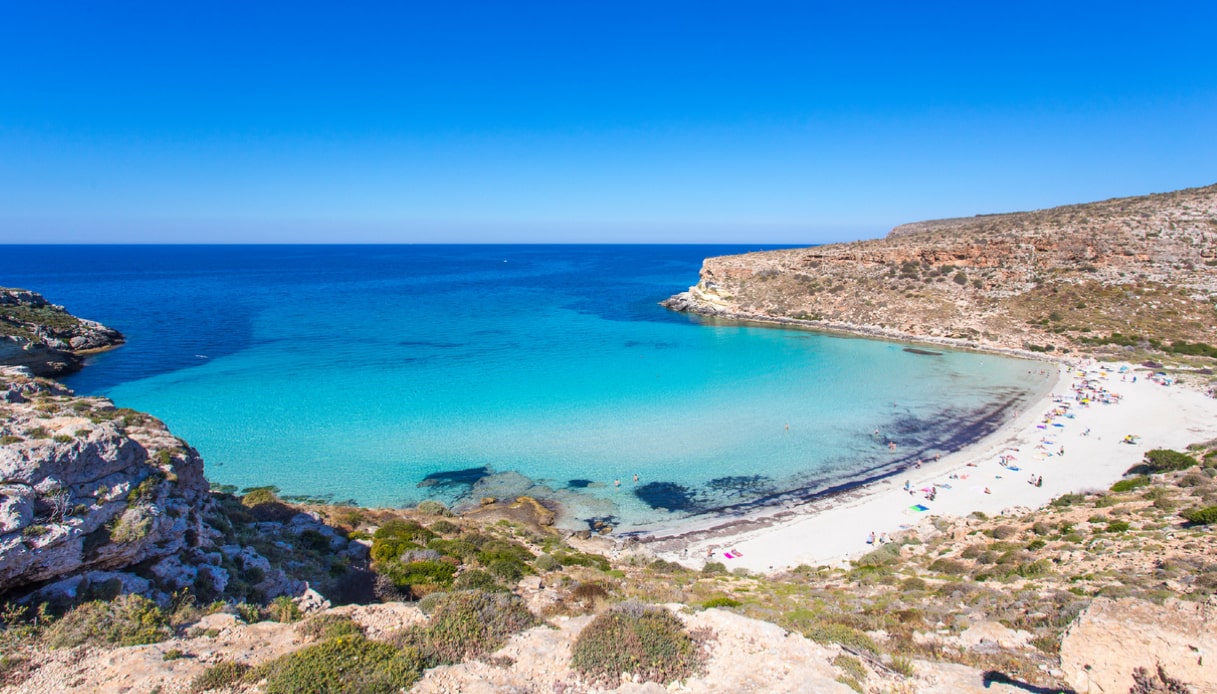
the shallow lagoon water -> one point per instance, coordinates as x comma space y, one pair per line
356, 372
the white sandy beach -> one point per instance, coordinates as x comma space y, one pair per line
837, 530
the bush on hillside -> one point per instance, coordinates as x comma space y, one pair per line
1201, 516
648, 642
468, 624
219, 676
1162, 460
128, 620
1130, 484
349, 663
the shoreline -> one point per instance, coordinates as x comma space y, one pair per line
775, 508
835, 528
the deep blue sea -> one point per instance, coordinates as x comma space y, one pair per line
391, 374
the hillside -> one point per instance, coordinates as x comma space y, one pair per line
1135, 273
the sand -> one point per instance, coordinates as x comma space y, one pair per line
835, 530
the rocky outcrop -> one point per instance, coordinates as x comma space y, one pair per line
1134, 270
1112, 638
100, 500
46, 338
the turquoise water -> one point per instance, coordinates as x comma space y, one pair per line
357, 372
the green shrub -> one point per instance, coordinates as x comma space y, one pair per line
128, 620
343, 664
428, 604
172, 654
831, 632
460, 549
1117, 526
1201, 516
665, 567
714, 567
1165, 460
420, 577
259, 496
468, 624
390, 549
284, 610
133, 525
546, 562
1003, 532
902, 665
1035, 544
1065, 500
1130, 484
884, 556
219, 676
595, 561
404, 529
476, 579
721, 601
444, 527
649, 643
61, 438
431, 507
950, 567
9, 438
329, 626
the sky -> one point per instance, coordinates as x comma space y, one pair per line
702, 122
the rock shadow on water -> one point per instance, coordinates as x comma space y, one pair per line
447, 479
579, 484
669, 496
739, 486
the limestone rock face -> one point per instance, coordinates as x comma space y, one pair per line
1111, 638
46, 338
83, 489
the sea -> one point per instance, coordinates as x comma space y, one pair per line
388, 375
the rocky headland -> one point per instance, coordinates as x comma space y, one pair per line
1121, 274
44, 337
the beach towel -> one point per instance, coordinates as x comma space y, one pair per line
919, 507
1062, 426
728, 555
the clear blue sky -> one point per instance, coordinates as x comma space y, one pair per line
573, 121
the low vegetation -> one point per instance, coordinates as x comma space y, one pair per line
648, 642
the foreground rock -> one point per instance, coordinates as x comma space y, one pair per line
96, 500
1112, 638
44, 337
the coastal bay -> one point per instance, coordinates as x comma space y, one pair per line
364, 373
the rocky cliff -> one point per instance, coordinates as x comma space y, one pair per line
1127, 272
46, 338
98, 498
